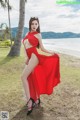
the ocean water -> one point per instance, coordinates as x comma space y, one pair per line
69, 46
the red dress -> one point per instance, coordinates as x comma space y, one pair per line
46, 75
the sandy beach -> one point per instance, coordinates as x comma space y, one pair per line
63, 104
70, 46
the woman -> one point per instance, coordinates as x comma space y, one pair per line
41, 73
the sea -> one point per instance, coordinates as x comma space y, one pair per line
69, 46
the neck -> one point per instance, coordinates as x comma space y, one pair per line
33, 31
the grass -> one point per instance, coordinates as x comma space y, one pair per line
10, 82
11, 90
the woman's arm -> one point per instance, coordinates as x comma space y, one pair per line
41, 45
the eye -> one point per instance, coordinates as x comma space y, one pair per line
32, 23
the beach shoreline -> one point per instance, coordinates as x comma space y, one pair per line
69, 52
70, 46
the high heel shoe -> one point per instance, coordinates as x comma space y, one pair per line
38, 101
32, 106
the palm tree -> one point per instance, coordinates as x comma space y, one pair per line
5, 4
15, 49
9, 8
6, 31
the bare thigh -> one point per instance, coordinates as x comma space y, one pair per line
33, 62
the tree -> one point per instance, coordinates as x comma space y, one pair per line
5, 4
15, 49
5, 31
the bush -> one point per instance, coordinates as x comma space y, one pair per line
5, 43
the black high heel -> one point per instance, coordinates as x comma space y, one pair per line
31, 108
39, 101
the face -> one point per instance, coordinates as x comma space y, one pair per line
34, 25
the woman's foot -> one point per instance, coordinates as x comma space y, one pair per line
30, 105
38, 101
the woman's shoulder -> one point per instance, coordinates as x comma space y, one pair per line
39, 35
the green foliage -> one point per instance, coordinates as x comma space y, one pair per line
5, 43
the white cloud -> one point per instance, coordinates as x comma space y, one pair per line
53, 17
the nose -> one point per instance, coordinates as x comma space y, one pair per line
33, 25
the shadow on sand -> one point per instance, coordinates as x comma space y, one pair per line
7, 59
37, 114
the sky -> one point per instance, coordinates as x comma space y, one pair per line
52, 16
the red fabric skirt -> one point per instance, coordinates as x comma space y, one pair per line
45, 76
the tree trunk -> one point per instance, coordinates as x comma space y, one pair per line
9, 21
15, 49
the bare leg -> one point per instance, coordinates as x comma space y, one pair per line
25, 83
27, 70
